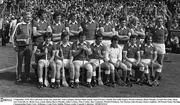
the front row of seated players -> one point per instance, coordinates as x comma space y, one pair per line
45, 52
110, 59
148, 58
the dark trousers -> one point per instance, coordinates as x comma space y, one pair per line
24, 53
174, 48
4, 36
3, 41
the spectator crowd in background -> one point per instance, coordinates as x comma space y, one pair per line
145, 10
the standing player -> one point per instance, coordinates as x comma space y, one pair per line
57, 27
107, 28
40, 27
64, 55
124, 32
21, 43
81, 51
73, 27
159, 37
90, 26
136, 28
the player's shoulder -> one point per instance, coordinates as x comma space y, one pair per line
87, 43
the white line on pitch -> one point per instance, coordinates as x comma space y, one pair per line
9, 68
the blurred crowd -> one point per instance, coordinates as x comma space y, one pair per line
145, 11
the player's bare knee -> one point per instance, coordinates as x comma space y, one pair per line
89, 67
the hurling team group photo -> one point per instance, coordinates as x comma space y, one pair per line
89, 48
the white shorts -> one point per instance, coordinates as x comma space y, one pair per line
96, 62
132, 60
45, 62
146, 61
80, 63
114, 60
161, 49
66, 62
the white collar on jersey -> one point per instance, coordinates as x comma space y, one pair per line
81, 43
50, 43
134, 45
92, 21
162, 27
123, 28
65, 44
71, 22
44, 21
94, 44
59, 23
151, 45
108, 23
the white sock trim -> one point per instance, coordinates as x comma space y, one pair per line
53, 80
40, 79
77, 80
146, 71
89, 80
94, 73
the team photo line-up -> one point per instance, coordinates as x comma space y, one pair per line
91, 53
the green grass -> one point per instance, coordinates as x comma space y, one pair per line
169, 86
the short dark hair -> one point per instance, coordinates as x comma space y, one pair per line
72, 14
48, 35
147, 38
98, 35
64, 34
107, 14
89, 13
56, 14
133, 36
41, 12
82, 33
122, 19
115, 38
158, 18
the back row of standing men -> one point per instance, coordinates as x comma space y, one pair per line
94, 45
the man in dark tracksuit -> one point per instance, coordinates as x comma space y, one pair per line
21, 42
5, 32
